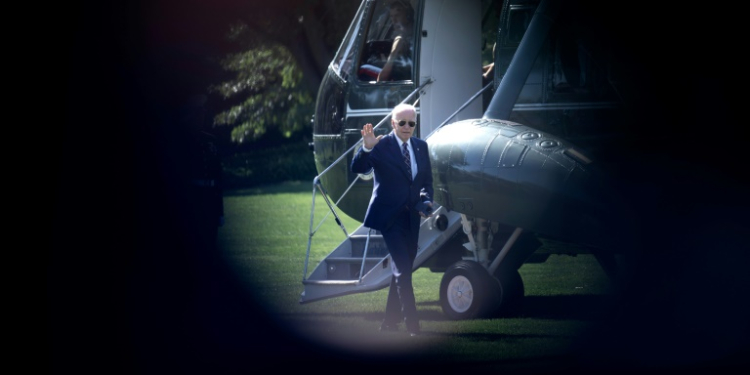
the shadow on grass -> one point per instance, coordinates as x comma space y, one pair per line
578, 307
324, 323
565, 307
356, 332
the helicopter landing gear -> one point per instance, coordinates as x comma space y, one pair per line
485, 286
465, 291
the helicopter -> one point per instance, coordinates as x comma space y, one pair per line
527, 162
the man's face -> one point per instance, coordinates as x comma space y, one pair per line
404, 132
398, 16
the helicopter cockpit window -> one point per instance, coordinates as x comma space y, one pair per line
345, 56
388, 51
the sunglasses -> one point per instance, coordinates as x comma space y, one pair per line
404, 122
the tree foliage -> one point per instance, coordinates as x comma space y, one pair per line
286, 47
268, 79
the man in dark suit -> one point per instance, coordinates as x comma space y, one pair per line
402, 179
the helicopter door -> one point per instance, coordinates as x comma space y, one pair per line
388, 52
450, 55
386, 66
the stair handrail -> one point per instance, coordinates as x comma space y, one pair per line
461, 108
429, 81
317, 184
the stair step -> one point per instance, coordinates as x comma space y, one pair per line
357, 260
348, 268
376, 247
330, 282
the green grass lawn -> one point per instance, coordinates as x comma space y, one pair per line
265, 240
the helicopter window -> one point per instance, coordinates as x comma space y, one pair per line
582, 59
345, 56
518, 21
387, 54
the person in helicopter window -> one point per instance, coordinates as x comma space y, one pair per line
398, 65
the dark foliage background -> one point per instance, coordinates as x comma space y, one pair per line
275, 159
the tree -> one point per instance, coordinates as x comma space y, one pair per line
286, 48
270, 79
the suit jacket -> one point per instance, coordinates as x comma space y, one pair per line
392, 191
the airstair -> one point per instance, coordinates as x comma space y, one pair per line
361, 262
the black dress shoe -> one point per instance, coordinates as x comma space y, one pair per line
388, 327
413, 330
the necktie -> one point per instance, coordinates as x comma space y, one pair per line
407, 159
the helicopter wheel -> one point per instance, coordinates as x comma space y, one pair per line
507, 293
465, 291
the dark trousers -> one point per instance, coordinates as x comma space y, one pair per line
401, 239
